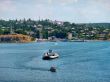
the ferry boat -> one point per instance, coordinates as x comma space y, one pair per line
50, 55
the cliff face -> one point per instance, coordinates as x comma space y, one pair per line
20, 38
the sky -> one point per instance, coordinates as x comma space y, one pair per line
77, 11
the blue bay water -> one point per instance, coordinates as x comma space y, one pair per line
78, 62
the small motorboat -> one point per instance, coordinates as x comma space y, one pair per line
50, 55
52, 69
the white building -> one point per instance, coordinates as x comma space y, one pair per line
70, 36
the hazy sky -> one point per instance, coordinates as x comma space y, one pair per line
78, 11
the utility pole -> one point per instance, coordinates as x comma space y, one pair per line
39, 18
11, 30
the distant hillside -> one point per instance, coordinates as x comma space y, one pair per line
59, 29
105, 25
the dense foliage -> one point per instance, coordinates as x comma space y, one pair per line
59, 29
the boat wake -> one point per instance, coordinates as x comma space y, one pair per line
26, 68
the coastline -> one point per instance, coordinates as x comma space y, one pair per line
57, 41
19, 38
71, 41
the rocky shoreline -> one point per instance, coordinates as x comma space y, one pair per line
15, 38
